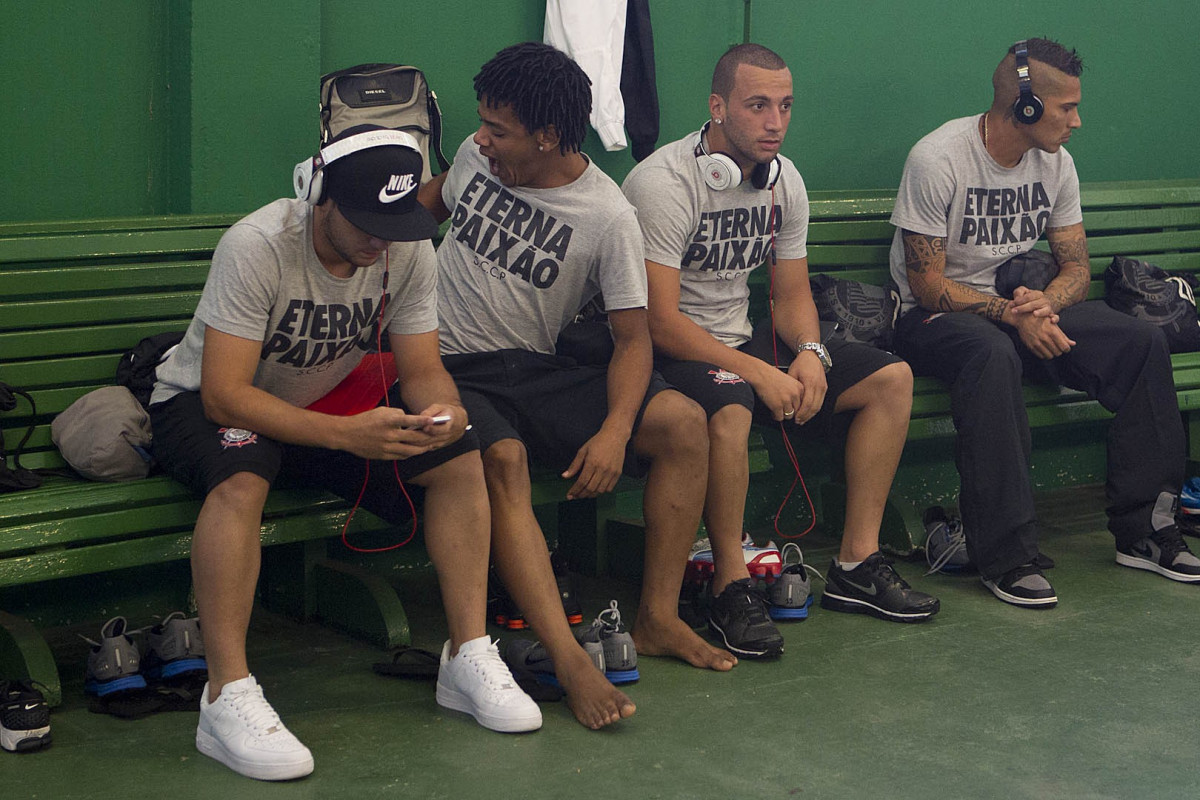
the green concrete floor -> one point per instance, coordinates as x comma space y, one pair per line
1093, 699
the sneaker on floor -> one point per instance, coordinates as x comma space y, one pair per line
945, 543
875, 588
791, 593
174, 649
1189, 498
761, 562
566, 589
479, 683
1023, 586
243, 732
501, 608
1164, 552
529, 656
114, 663
620, 656
24, 717
738, 617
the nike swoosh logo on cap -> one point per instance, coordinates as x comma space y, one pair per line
403, 183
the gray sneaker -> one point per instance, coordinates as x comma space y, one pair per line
114, 663
791, 593
526, 655
620, 656
1023, 586
174, 648
1164, 552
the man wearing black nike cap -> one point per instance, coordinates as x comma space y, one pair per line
267, 388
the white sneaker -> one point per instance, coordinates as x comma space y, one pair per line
243, 732
478, 682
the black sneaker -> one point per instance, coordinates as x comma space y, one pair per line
1024, 586
1164, 552
874, 588
738, 617
24, 717
566, 589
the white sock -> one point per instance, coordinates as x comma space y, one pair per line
846, 566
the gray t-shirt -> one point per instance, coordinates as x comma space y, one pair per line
517, 264
266, 284
715, 238
987, 213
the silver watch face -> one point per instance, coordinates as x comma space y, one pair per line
821, 351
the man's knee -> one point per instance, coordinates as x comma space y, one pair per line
673, 425
460, 471
506, 465
729, 427
242, 492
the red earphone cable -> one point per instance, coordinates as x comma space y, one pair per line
787, 444
366, 461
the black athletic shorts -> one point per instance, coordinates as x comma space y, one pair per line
550, 403
852, 362
710, 386
201, 454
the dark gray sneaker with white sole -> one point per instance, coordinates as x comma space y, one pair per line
738, 617
874, 588
1164, 552
1023, 586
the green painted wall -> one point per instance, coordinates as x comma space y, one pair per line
144, 106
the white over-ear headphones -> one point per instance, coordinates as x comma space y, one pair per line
721, 172
308, 178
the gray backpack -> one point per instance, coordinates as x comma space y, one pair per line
386, 95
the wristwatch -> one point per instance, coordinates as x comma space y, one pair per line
817, 348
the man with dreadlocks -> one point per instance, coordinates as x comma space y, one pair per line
537, 230
976, 192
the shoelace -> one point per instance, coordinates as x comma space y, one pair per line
754, 597
792, 547
491, 668
610, 618
956, 542
252, 707
1170, 540
882, 569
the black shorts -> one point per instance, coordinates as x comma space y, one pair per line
201, 454
852, 362
550, 403
710, 386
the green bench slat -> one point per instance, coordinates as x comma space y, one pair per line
42, 283
25, 345
113, 224
71, 247
1125, 244
97, 370
128, 308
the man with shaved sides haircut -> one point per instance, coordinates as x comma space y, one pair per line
713, 207
976, 192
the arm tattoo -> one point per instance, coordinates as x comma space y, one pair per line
925, 259
1069, 248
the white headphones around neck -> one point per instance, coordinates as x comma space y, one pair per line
721, 172
308, 178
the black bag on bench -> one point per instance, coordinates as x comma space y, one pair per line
1150, 293
17, 478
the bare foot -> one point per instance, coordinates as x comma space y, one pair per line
594, 701
672, 637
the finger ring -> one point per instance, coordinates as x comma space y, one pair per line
789, 412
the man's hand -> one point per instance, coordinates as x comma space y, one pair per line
1042, 336
1031, 301
598, 465
389, 434
808, 370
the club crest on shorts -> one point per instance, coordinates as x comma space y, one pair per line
237, 437
725, 376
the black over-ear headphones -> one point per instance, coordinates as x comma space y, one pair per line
308, 178
722, 172
1028, 108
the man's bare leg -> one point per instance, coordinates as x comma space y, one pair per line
226, 555
523, 562
882, 402
672, 503
725, 500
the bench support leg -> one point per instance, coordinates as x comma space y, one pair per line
583, 533
25, 654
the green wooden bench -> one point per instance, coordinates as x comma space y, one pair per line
73, 297
849, 236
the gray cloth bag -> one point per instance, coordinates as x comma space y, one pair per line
105, 435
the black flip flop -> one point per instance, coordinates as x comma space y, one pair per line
410, 662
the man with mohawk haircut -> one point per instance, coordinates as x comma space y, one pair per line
537, 231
